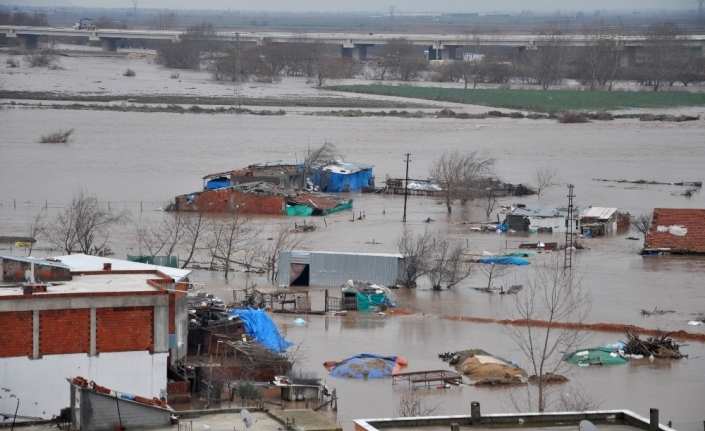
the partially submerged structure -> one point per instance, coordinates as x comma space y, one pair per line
326, 268
596, 220
263, 198
322, 175
676, 231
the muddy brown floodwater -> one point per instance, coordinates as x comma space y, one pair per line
141, 161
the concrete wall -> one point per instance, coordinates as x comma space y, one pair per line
557, 223
99, 412
41, 383
333, 269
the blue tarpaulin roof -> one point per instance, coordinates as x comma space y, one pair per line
366, 366
262, 328
504, 260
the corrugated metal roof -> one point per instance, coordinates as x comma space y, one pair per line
537, 211
34, 261
83, 262
397, 255
598, 212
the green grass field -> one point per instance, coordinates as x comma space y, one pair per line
538, 100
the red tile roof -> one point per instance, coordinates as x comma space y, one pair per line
316, 202
692, 219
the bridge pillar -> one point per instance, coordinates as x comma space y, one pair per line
447, 53
109, 44
358, 52
628, 58
27, 41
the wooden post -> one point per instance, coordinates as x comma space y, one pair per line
325, 304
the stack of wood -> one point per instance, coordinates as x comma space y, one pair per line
660, 346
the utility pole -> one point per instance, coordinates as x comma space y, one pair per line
134, 13
568, 262
391, 16
406, 184
238, 72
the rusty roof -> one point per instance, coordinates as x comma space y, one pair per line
692, 242
316, 201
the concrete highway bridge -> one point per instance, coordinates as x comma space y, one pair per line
440, 46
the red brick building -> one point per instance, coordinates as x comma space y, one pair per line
105, 323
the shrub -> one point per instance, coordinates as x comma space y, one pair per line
174, 75
40, 57
497, 114
573, 117
60, 137
516, 114
11, 62
129, 72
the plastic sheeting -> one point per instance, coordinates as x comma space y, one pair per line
262, 328
170, 261
504, 260
298, 210
366, 366
596, 356
367, 302
336, 182
217, 184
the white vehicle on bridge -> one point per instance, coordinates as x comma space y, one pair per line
85, 24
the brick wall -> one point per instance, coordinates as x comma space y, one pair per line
64, 331
124, 329
16, 333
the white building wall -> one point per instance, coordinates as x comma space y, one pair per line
41, 384
557, 223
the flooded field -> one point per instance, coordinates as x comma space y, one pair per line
141, 161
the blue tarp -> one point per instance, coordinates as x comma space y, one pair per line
336, 182
506, 260
217, 184
366, 366
262, 328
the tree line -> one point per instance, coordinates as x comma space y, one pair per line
664, 59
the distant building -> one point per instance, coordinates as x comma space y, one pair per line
676, 231
326, 268
112, 321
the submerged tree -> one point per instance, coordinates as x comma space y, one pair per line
551, 302
280, 238
448, 265
641, 223
462, 175
415, 249
545, 177
35, 229
84, 226
411, 405
163, 237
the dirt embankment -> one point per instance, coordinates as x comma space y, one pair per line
597, 327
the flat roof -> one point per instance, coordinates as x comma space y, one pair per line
397, 255
93, 283
34, 261
83, 262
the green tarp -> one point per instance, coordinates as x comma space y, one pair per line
170, 261
597, 356
341, 207
366, 302
298, 210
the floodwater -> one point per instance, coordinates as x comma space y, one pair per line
141, 161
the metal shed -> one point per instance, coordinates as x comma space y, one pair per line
326, 268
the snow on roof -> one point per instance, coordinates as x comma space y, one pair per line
33, 260
83, 262
341, 167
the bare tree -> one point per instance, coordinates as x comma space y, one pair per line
545, 177
232, 241
641, 223
490, 200
280, 238
166, 20
411, 405
163, 237
84, 226
549, 59
43, 56
391, 56
551, 297
460, 174
198, 43
601, 61
448, 266
35, 230
492, 271
323, 65
415, 249
665, 53
194, 226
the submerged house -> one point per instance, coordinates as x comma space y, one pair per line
676, 231
263, 198
596, 220
601, 221
325, 176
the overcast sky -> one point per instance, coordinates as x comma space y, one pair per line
402, 6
